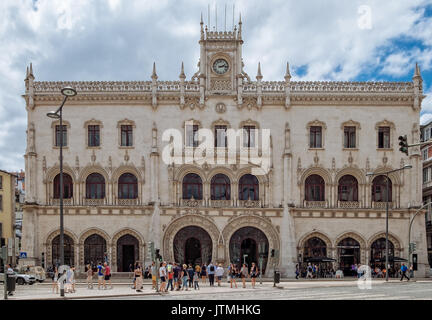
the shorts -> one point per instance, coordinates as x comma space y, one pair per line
100, 277
107, 277
154, 278
163, 279
219, 278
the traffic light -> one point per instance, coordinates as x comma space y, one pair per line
403, 144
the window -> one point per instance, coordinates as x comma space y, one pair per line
126, 135
95, 186
384, 137
248, 187
93, 135
67, 186
220, 187
249, 136
221, 136
315, 137
349, 137
425, 175
192, 186
348, 188
314, 248
314, 188
192, 135
1, 182
379, 189
58, 137
127, 186
1, 202
424, 151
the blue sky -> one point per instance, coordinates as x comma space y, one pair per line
119, 40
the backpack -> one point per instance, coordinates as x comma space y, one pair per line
211, 268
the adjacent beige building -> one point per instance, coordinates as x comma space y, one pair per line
312, 201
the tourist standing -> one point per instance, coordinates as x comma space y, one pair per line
138, 278
211, 272
55, 279
184, 276
297, 271
170, 271
89, 277
233, 275
204, 273
254, 274
196, 280
177, 276
163, 277
100, 274
154, 274
107, 275
244, 273
219, 274
190, 271
309, 270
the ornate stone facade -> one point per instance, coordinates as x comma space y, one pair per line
282, 205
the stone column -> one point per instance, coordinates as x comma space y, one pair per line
29, 240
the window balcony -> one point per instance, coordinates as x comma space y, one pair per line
315, 204
94, 202
66, 202
250, 203
381, 205
349, 204
192, 202
128, 202
221, 203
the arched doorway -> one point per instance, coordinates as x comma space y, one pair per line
127, 252
192, 245
94, 250
378, 253
68, 250
349, 254
247, 245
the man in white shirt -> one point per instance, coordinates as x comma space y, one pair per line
163, 277
219, 273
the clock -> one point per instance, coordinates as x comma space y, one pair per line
220, 66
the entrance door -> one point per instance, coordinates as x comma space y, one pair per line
192, 244
127, 252
349, 254
128, 257
193, 251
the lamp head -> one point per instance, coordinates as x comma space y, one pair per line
53, 115
68, 91
368, 174
407, 166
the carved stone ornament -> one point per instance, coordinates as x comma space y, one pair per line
192, 103
93, 156
316, 158
384, 159
350, 158
249, 103
220, 107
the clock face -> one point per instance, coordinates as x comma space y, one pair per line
220, 66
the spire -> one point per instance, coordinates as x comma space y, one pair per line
27, 72
202, 27
240, 28
259, 75
417, 71
154, 75
30, 71
182, 74
287, 73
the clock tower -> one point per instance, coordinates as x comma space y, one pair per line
220, 66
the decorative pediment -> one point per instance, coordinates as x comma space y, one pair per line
93, 122
220, 122
126, 122
385, 123
316, 123
249, 122
351, 123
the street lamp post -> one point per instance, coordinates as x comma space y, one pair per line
58, 114
387, 210
409, 230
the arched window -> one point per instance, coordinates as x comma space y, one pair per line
67, 186
379, 189
348, 188
127, 186
314, 248
314, 188
192, 186
68, 250
220, 187
378, 252
95, 186
94, 250
248, 187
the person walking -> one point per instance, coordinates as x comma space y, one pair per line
184, 276
89, 277
244, 273
204, 273
163, 277
254, 274
170, 271
211, 272
153, 275
100, 274
177, 276
219, 274
309, 270
72, 279
138, 278
233, 275
9, 272
297, 271
196, 280
404, 269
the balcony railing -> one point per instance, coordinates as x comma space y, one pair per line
127, 202
315, 204
250, 203
94, 202
66, 202
381, 205
349, 204
221, 203
192, 202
